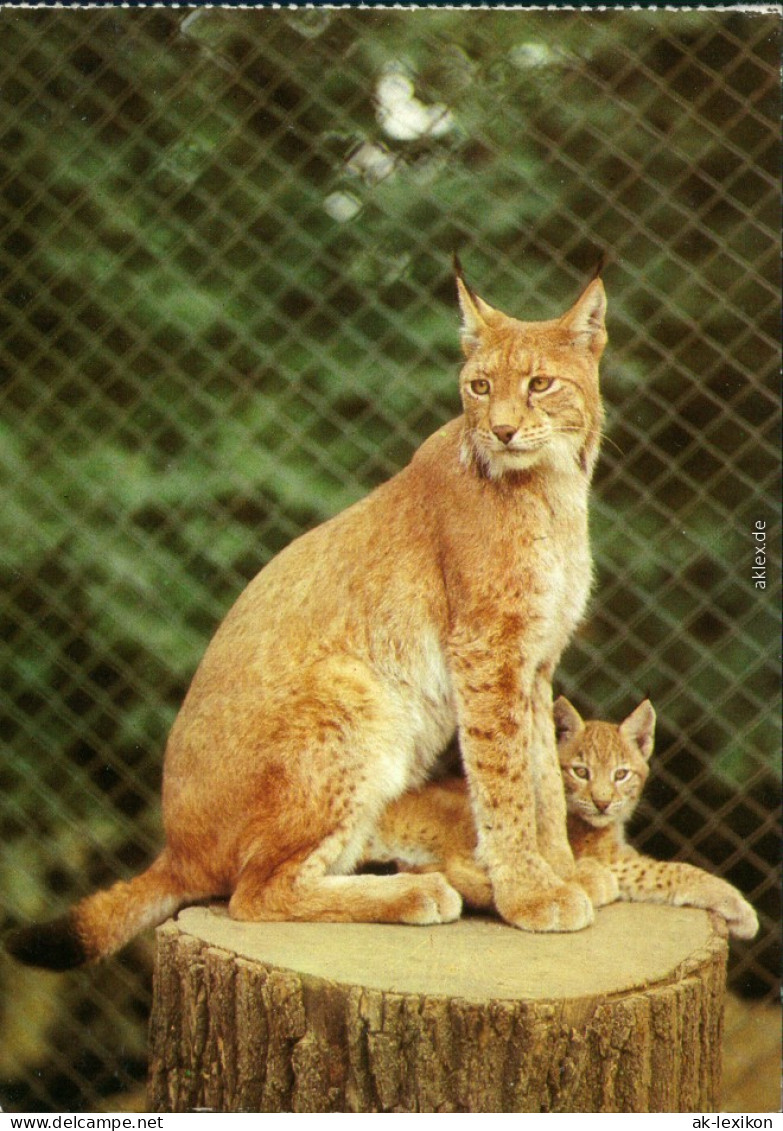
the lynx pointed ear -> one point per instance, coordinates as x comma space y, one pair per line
476, 313
585, 319
568, 721
639, 728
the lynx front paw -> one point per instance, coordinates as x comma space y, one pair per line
566, 907
598, 880
431, 899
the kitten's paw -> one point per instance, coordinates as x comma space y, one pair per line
431, 899
598, 880
742, 920
566, 907
471, 882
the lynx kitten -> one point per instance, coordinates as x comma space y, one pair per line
604, 768
443, 599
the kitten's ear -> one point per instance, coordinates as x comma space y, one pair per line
639, 728
476, 313
568, 721
585, 319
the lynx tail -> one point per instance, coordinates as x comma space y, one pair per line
54, 945
102, 923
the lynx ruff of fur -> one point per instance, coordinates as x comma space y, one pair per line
443, 599
604, 768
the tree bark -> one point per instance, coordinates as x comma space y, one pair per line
473, 1016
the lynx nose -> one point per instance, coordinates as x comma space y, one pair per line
504, 432
601, 804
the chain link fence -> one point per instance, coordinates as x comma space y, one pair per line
229, 311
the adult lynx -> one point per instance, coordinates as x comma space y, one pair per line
604, 768
443, 599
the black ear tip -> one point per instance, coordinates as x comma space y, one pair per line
460, 277
54, 946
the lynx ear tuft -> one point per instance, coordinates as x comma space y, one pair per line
476, 314
55, 945
600, 266
639, 728
568, 721
586, 318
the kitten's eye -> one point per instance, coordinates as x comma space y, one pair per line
580, 772
480, 387
540, 384
621, 774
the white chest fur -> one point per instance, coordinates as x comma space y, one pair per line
562, 564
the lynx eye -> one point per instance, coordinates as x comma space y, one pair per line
580, 772
621, 774
540, 384
480, 387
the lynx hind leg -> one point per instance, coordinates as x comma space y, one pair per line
598, 881
312, 884
299, 895
464, 874
328, 812
643, 880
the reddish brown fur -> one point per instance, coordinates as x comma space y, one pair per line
433, 827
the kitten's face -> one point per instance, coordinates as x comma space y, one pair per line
602, 775
530, 389
604, 766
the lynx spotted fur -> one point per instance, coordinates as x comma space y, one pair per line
444, 599
604, 768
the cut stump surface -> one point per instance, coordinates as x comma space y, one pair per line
472, 1016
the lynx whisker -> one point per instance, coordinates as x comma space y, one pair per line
603, 437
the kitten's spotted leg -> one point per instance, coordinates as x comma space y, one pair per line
598, 880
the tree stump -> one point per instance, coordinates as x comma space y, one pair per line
472, 1016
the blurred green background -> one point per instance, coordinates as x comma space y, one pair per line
228, 311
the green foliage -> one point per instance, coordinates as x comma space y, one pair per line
232, 314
